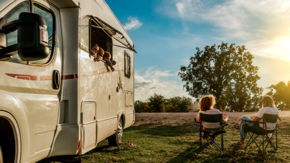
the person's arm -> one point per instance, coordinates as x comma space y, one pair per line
197, 117
259, 115
255, 118
279, 118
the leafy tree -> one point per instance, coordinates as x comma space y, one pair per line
157, 103
215, 69
241, 97
180, 104
141, 107
281, 95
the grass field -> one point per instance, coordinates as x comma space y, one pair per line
154, 138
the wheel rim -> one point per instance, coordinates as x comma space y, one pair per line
120, 132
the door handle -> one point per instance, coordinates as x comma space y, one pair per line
56, 79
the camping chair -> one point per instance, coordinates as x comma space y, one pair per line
264, 132
210, 136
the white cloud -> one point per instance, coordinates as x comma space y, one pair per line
133, 24
156, 81
262, 25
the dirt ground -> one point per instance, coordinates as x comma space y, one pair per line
176, 119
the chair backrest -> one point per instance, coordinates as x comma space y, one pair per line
211, 118
271, 118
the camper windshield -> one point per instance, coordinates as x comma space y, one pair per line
4, 3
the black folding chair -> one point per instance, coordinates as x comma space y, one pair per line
254, 133
210, 136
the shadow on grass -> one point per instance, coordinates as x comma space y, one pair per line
165, 130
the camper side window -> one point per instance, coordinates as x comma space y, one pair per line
11, 38
49, 19
127, 65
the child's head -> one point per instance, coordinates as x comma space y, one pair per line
101, 52
98, 58
95, 48
267, 101
207, 102
107, 56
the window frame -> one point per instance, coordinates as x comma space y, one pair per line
127, 57
53, 33
90, 40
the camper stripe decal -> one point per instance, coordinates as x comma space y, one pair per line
64, 77
23, 77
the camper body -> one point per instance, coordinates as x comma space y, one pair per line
64, 103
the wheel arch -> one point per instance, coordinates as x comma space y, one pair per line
121, 115
9, 127
13, 111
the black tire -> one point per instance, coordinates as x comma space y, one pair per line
117, 138
1, 155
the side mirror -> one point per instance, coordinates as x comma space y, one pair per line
32, 37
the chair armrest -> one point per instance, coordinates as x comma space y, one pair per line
252, 121
224, 123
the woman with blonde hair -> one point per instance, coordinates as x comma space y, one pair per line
268, 107
206, 106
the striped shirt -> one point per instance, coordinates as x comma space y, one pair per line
210, 125
267, 110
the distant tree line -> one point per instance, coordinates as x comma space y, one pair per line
158, 103
227, 72
281, 95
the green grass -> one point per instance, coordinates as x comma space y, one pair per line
163, 143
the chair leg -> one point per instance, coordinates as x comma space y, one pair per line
200, 141
252, 139
276, 136
222, 141
249, 142
263, 143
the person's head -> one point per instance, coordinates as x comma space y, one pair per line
98, 58
101, 52
95, 48
107, 56
267, 101
207, 102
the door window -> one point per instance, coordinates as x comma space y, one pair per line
49, 19
11, 38
12, 15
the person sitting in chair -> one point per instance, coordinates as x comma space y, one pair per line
206, 104
268, 107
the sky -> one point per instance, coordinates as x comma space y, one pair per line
167, 32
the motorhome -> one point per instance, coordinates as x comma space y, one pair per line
55, 99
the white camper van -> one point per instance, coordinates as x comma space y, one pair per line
55, 100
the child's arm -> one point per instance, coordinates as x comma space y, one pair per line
197, 117
279, 118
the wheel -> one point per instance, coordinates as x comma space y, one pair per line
1, 155
117, 138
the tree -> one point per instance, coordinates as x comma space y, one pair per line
141, 107
281, 95
180, 104
215, 69
243, 97
157, 103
